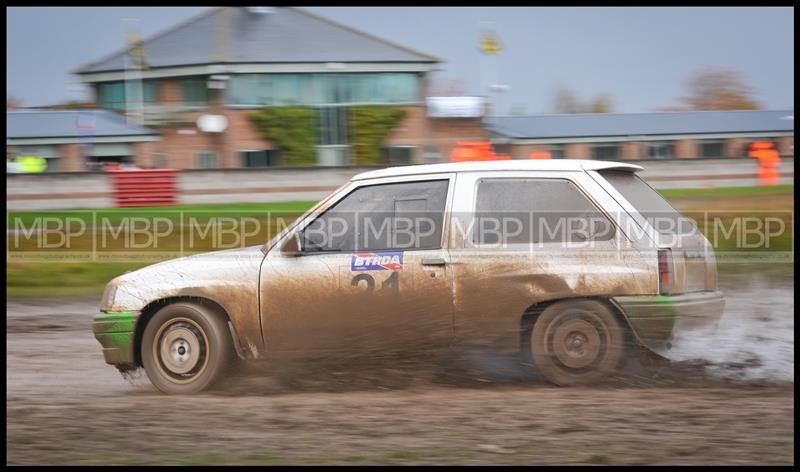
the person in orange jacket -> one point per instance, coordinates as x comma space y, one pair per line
769, 160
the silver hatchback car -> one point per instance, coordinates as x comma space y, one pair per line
567, 264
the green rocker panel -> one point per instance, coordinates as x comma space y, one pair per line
654, 318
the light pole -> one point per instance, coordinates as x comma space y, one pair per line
490, 46
499, 89
134, 105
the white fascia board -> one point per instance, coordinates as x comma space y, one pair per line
296, 67
663, 137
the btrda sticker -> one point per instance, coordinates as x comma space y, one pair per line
376, 261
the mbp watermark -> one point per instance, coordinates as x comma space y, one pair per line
155, 235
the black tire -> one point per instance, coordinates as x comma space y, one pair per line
186, 348
577, 342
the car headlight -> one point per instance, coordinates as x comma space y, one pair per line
108, 297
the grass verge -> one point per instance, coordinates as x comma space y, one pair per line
27, 279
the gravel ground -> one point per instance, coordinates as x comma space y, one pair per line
727, 398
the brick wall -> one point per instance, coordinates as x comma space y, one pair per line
577, 151
181, 141
523, 151
736, 147
633, 150
686, 149
169, 92
70, 158
445, 133
241, 135
786, 145
410, 132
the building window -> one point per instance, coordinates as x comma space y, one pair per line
150, 92
660, 149
323, 89
263, 158
712, 148
332, 126
205, 159
502, 148
398, 155
432, 154
605, 151
194, 92
113, 95
556, 151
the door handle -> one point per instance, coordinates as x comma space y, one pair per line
434, 261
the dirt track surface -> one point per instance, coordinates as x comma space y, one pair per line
721, 404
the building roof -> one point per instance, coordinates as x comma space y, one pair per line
642, 124
71, 124
240, 35
507, 165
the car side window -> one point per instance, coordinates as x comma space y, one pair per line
527, 211
397, 216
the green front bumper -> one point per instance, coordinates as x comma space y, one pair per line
115, 331
655, 319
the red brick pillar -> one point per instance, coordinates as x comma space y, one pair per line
71, 158
785, 145
686, 149
633, 150
577, 151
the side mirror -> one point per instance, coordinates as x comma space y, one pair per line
291, 247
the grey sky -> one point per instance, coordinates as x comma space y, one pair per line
639, 55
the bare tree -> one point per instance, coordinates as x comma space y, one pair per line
602, 103
567, 101
12, 103
718, 89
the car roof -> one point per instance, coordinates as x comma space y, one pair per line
505, 165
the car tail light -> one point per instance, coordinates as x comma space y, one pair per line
666, 272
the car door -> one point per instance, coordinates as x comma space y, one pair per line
371, 272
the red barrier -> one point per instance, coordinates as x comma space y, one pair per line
145, 187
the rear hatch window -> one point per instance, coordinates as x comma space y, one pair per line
650, 204
693, 263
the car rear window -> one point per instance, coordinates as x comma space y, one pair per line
527, 211
649, 203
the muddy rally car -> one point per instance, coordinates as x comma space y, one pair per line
568, 265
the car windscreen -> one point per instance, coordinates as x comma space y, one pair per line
649, 203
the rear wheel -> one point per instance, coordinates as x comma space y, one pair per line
185, 348
577, 342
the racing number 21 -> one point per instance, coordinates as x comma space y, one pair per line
392, 282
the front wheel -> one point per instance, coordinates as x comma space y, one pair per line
577, 342
185, 348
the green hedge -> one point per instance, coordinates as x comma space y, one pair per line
293, 129
369, 128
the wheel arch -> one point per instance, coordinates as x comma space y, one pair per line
153, 307
532, 313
